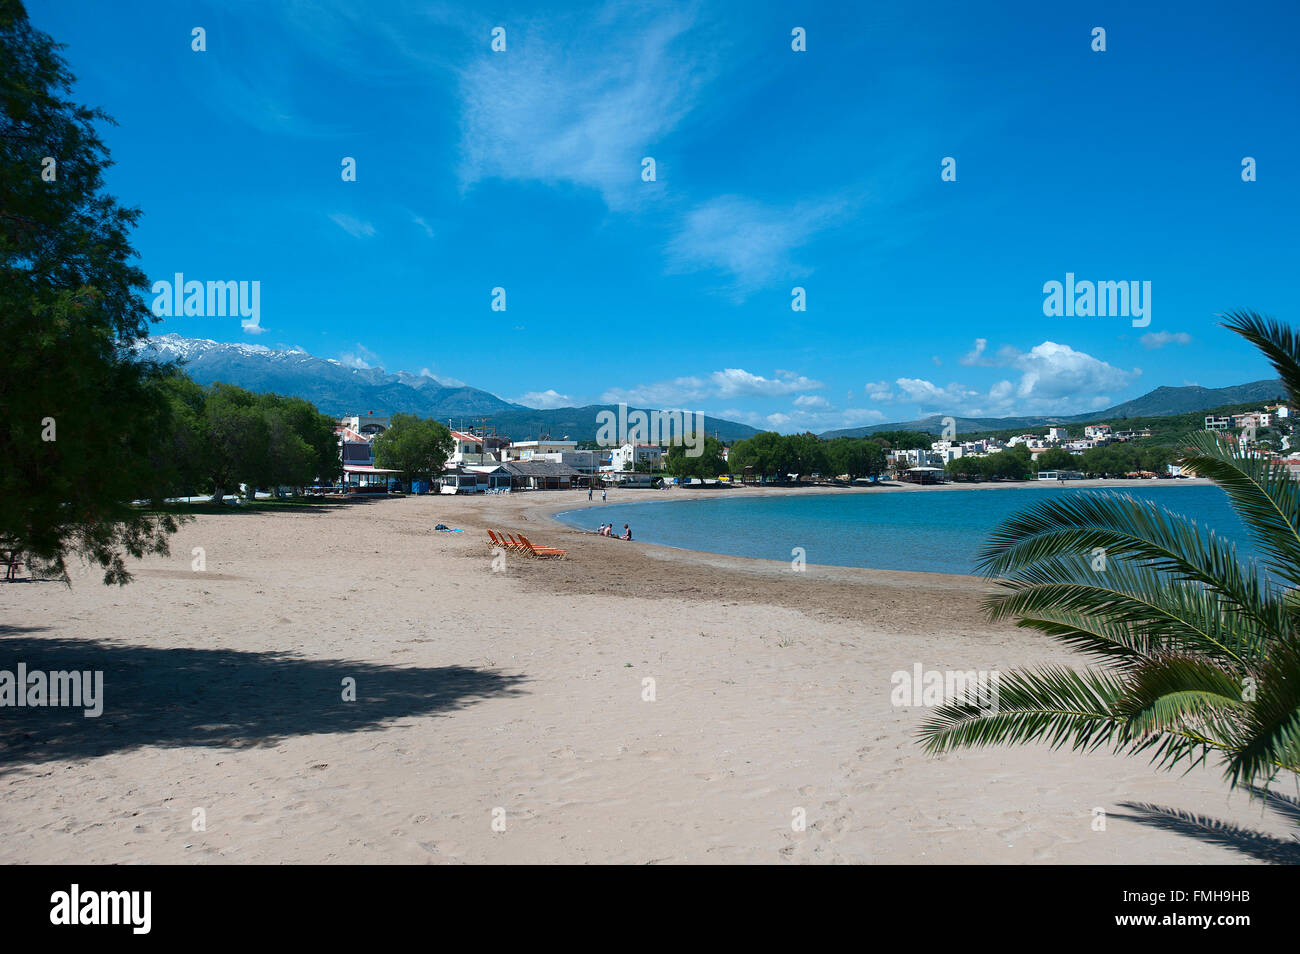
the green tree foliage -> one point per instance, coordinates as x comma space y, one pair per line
708, 464
1199, 648
414, 445
75, 433
236, 438
1058, 459
855, 457
1119, 459
1011, 464
776, 455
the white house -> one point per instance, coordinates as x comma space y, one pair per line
469, 451
633, 454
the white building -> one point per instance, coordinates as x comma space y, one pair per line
367, 425
632, 454
1097, 432
1057, 434
559, 452
469, 451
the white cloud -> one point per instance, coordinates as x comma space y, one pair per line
549, 398
811, 401
1158, 339
973, 357
353, 226
1054, 378
879, 391
735, 382
363, 358
1054, 371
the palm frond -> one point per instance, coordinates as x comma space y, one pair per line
1264, 495
1136, 530
1131, 610
1279, 343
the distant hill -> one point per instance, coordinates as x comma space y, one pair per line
1162, 402
338, 389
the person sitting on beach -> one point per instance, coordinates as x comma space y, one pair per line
627, 532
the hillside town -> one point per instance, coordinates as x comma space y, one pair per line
1245, 428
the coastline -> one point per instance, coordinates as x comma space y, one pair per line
521, 687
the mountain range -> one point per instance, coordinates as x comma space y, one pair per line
337, 389
1162, 402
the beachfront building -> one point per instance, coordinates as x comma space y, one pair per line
629, 455
559, 452
356, 452
471, 450
474, 479
1097, 432
541, 474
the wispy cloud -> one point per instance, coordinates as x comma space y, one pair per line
1158, 339
728, 384
362, 358
353, 226
750, 241
580, 100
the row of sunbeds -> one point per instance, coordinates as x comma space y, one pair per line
524, 546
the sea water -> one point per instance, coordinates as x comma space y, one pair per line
935, 531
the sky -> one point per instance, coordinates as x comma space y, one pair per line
774, 169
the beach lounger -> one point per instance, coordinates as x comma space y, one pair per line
515, 544
541, 551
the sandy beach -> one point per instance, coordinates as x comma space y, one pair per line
498, 692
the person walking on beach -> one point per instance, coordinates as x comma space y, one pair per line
603, 492
589, 490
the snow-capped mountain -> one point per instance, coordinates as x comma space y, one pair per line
331, 385
336, 388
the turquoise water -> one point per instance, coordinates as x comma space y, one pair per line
932, 531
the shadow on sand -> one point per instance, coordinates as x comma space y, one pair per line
1215, 831
217, 697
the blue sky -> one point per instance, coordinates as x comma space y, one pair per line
821, 169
